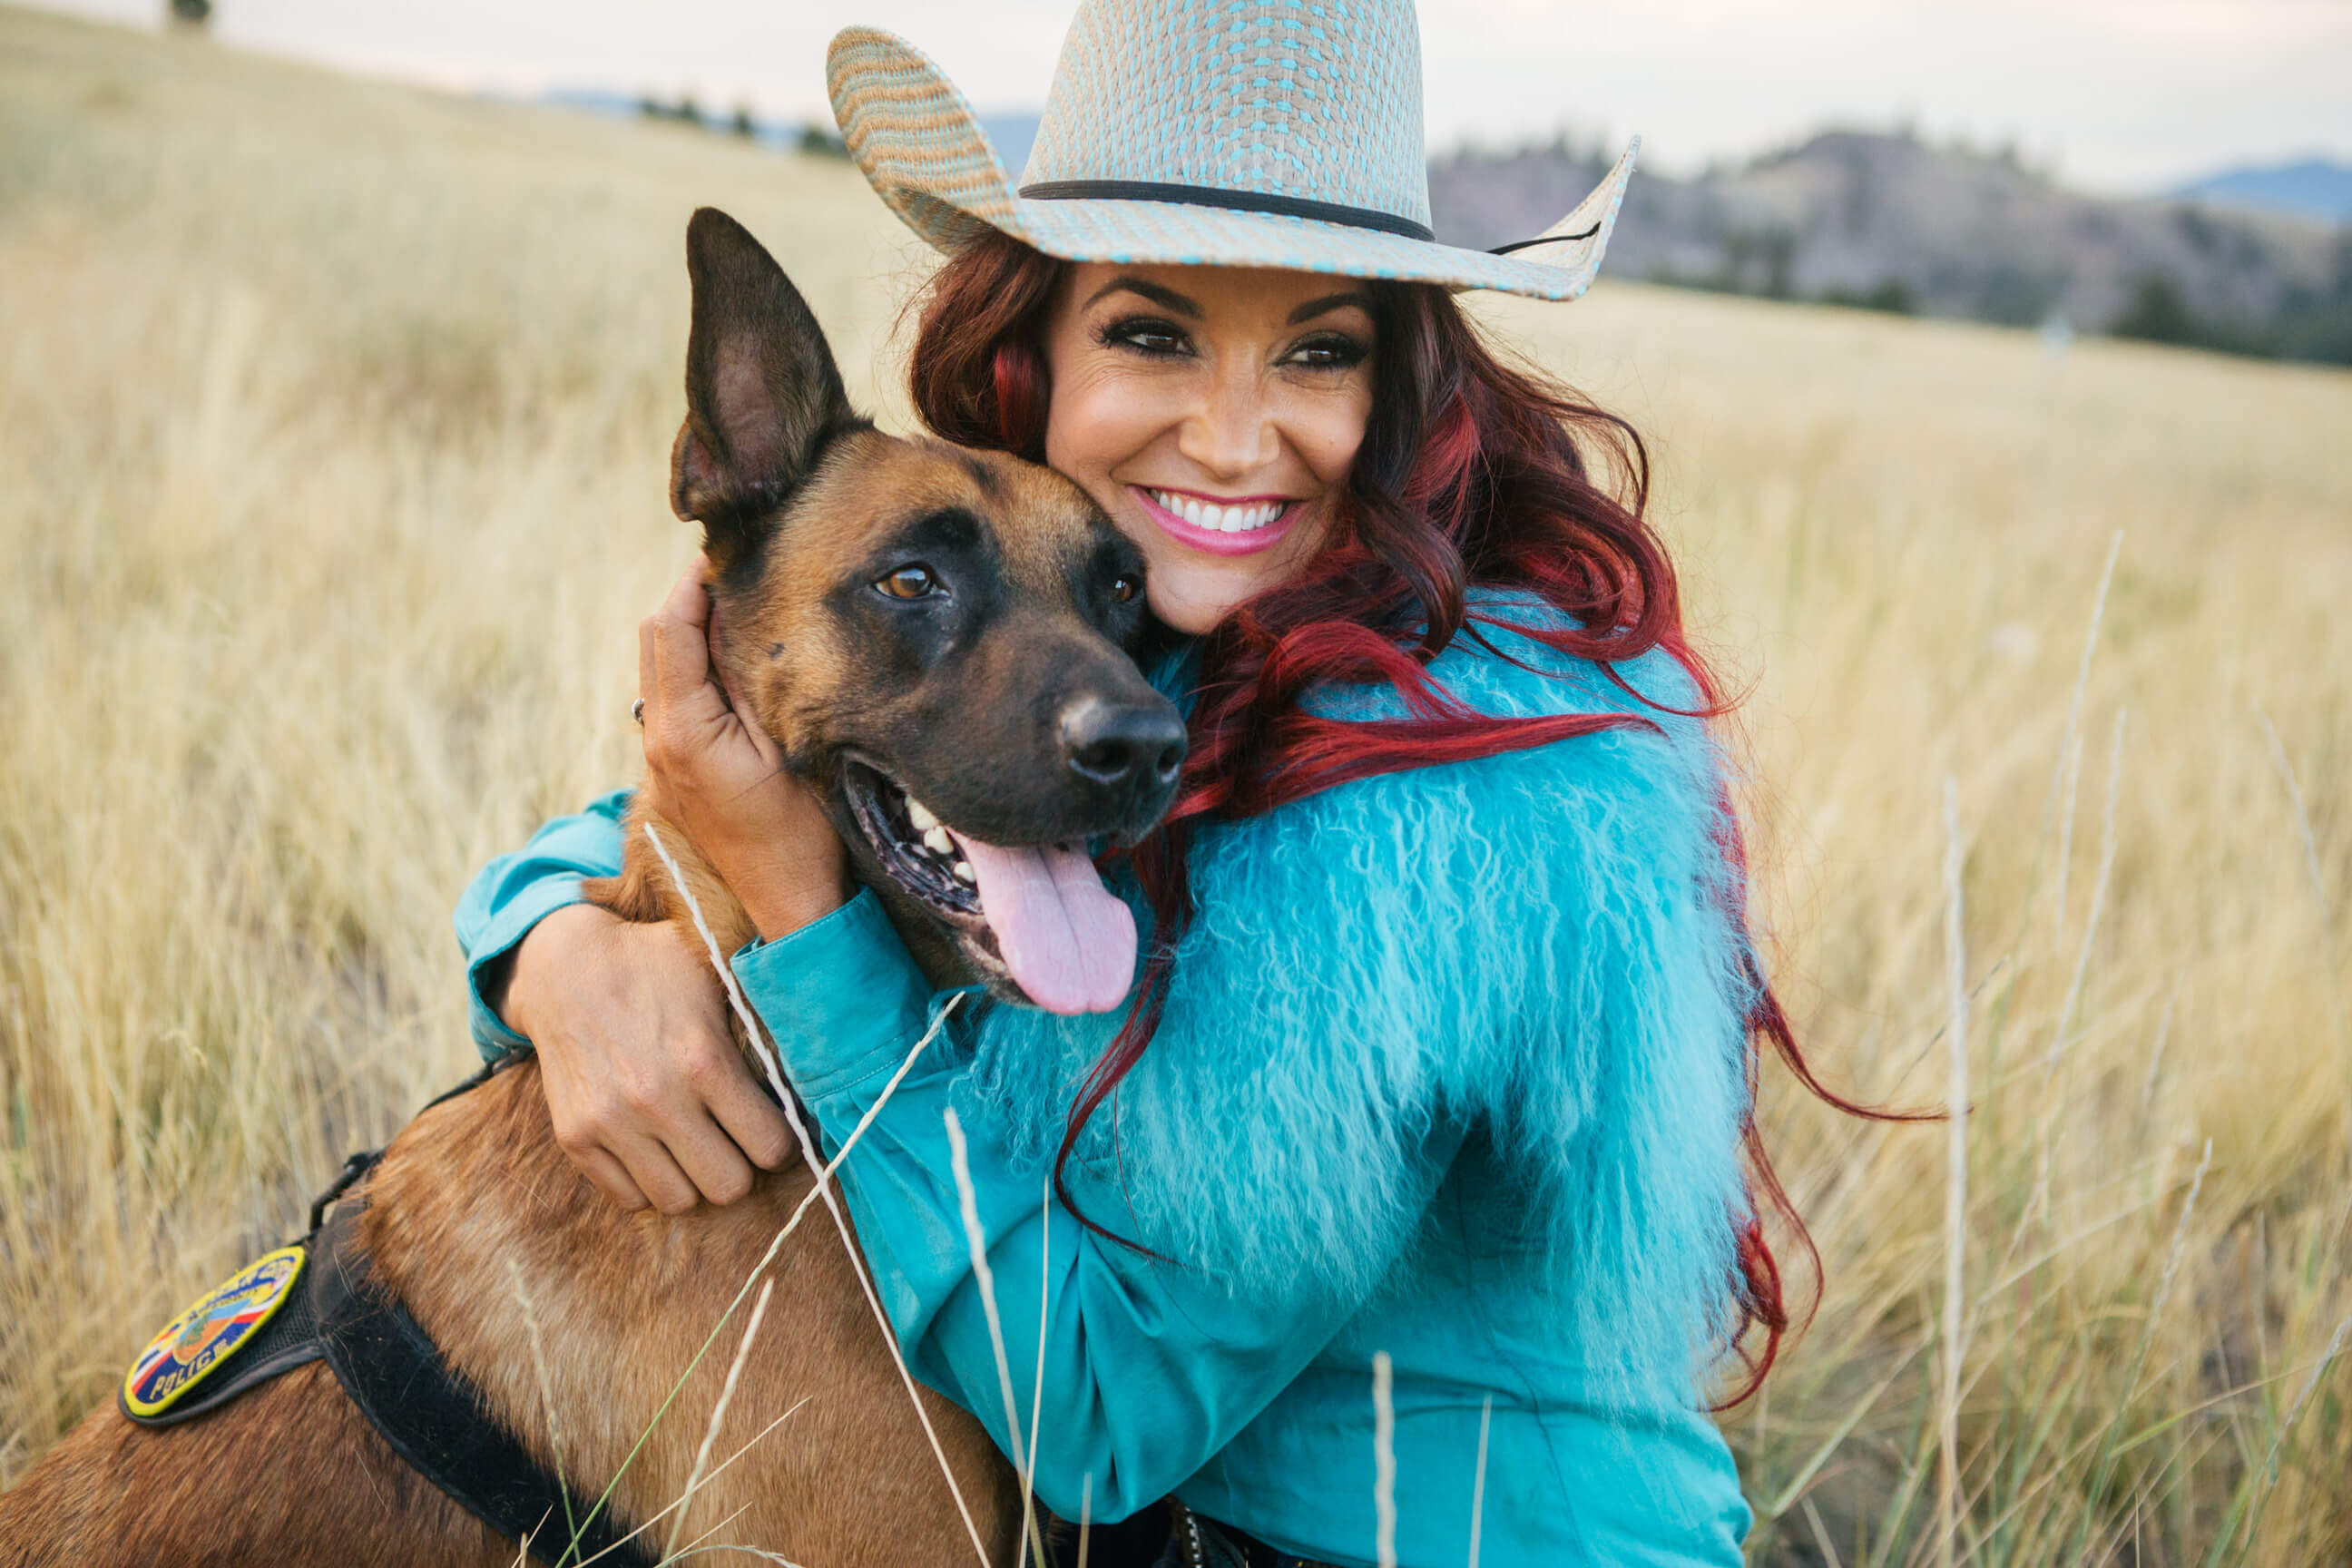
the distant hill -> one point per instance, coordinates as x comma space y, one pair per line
1883, 221
1010, 134
614, 105
2314, 187
1888, 220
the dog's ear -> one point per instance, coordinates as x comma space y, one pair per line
763, 394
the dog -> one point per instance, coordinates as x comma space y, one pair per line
935, 638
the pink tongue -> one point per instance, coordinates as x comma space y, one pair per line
1069, 943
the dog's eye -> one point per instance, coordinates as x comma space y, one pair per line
914, 581
1126, 586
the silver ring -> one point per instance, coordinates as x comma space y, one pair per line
638, 711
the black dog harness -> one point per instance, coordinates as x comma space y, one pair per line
433, 1418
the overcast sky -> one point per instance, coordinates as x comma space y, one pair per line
2118, 94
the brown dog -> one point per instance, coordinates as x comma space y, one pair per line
912, 623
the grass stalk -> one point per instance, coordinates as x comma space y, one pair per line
1956, 1177
717, 1416
1478, 1481
1384, 1512
2098, 891
976, 1240
2103, 1468
2070, 747
1037, 1394
2302, 814
535, 1341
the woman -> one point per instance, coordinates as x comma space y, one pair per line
1440, 1056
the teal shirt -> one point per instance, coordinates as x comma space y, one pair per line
1451, 1068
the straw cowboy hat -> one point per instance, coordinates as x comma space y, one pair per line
1228, 132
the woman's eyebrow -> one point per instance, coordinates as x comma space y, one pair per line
1314, 308
1166, 298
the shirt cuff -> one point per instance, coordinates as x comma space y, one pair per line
507, 926
841, 996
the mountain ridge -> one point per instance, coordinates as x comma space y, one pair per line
2316, 188
1888, 219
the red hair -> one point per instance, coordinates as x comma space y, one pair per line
1472, 472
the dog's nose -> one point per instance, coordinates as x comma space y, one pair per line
1121, 745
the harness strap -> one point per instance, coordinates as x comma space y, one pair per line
360, 1164
438, 1422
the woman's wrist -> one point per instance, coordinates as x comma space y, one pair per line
538, 960
782, 892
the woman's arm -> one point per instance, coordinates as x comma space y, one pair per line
645, 1088
1151, 1366
508, 898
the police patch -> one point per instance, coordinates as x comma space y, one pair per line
200, 1341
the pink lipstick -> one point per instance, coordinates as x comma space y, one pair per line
1218, 526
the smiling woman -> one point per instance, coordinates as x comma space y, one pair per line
1431, 1070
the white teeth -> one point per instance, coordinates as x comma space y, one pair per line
963, 873
1217, 518
936, 840
920, 815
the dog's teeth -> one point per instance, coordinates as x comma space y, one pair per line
963, 873
920, 815
936, 840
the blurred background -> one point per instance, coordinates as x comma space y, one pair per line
1990, 359
2173, 170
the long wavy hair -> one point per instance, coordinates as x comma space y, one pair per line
1473, 471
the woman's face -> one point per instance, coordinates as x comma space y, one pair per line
1214, 411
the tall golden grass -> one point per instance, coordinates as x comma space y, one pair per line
333, 433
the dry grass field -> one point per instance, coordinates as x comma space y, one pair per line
333, 422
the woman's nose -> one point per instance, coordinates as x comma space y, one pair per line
1230, 433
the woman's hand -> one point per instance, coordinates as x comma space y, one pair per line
722, 781
648, 1094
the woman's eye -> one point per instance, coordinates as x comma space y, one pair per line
1330, 351
1145, 335
1126, 586
914, 582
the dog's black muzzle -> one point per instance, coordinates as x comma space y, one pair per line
1125, 757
